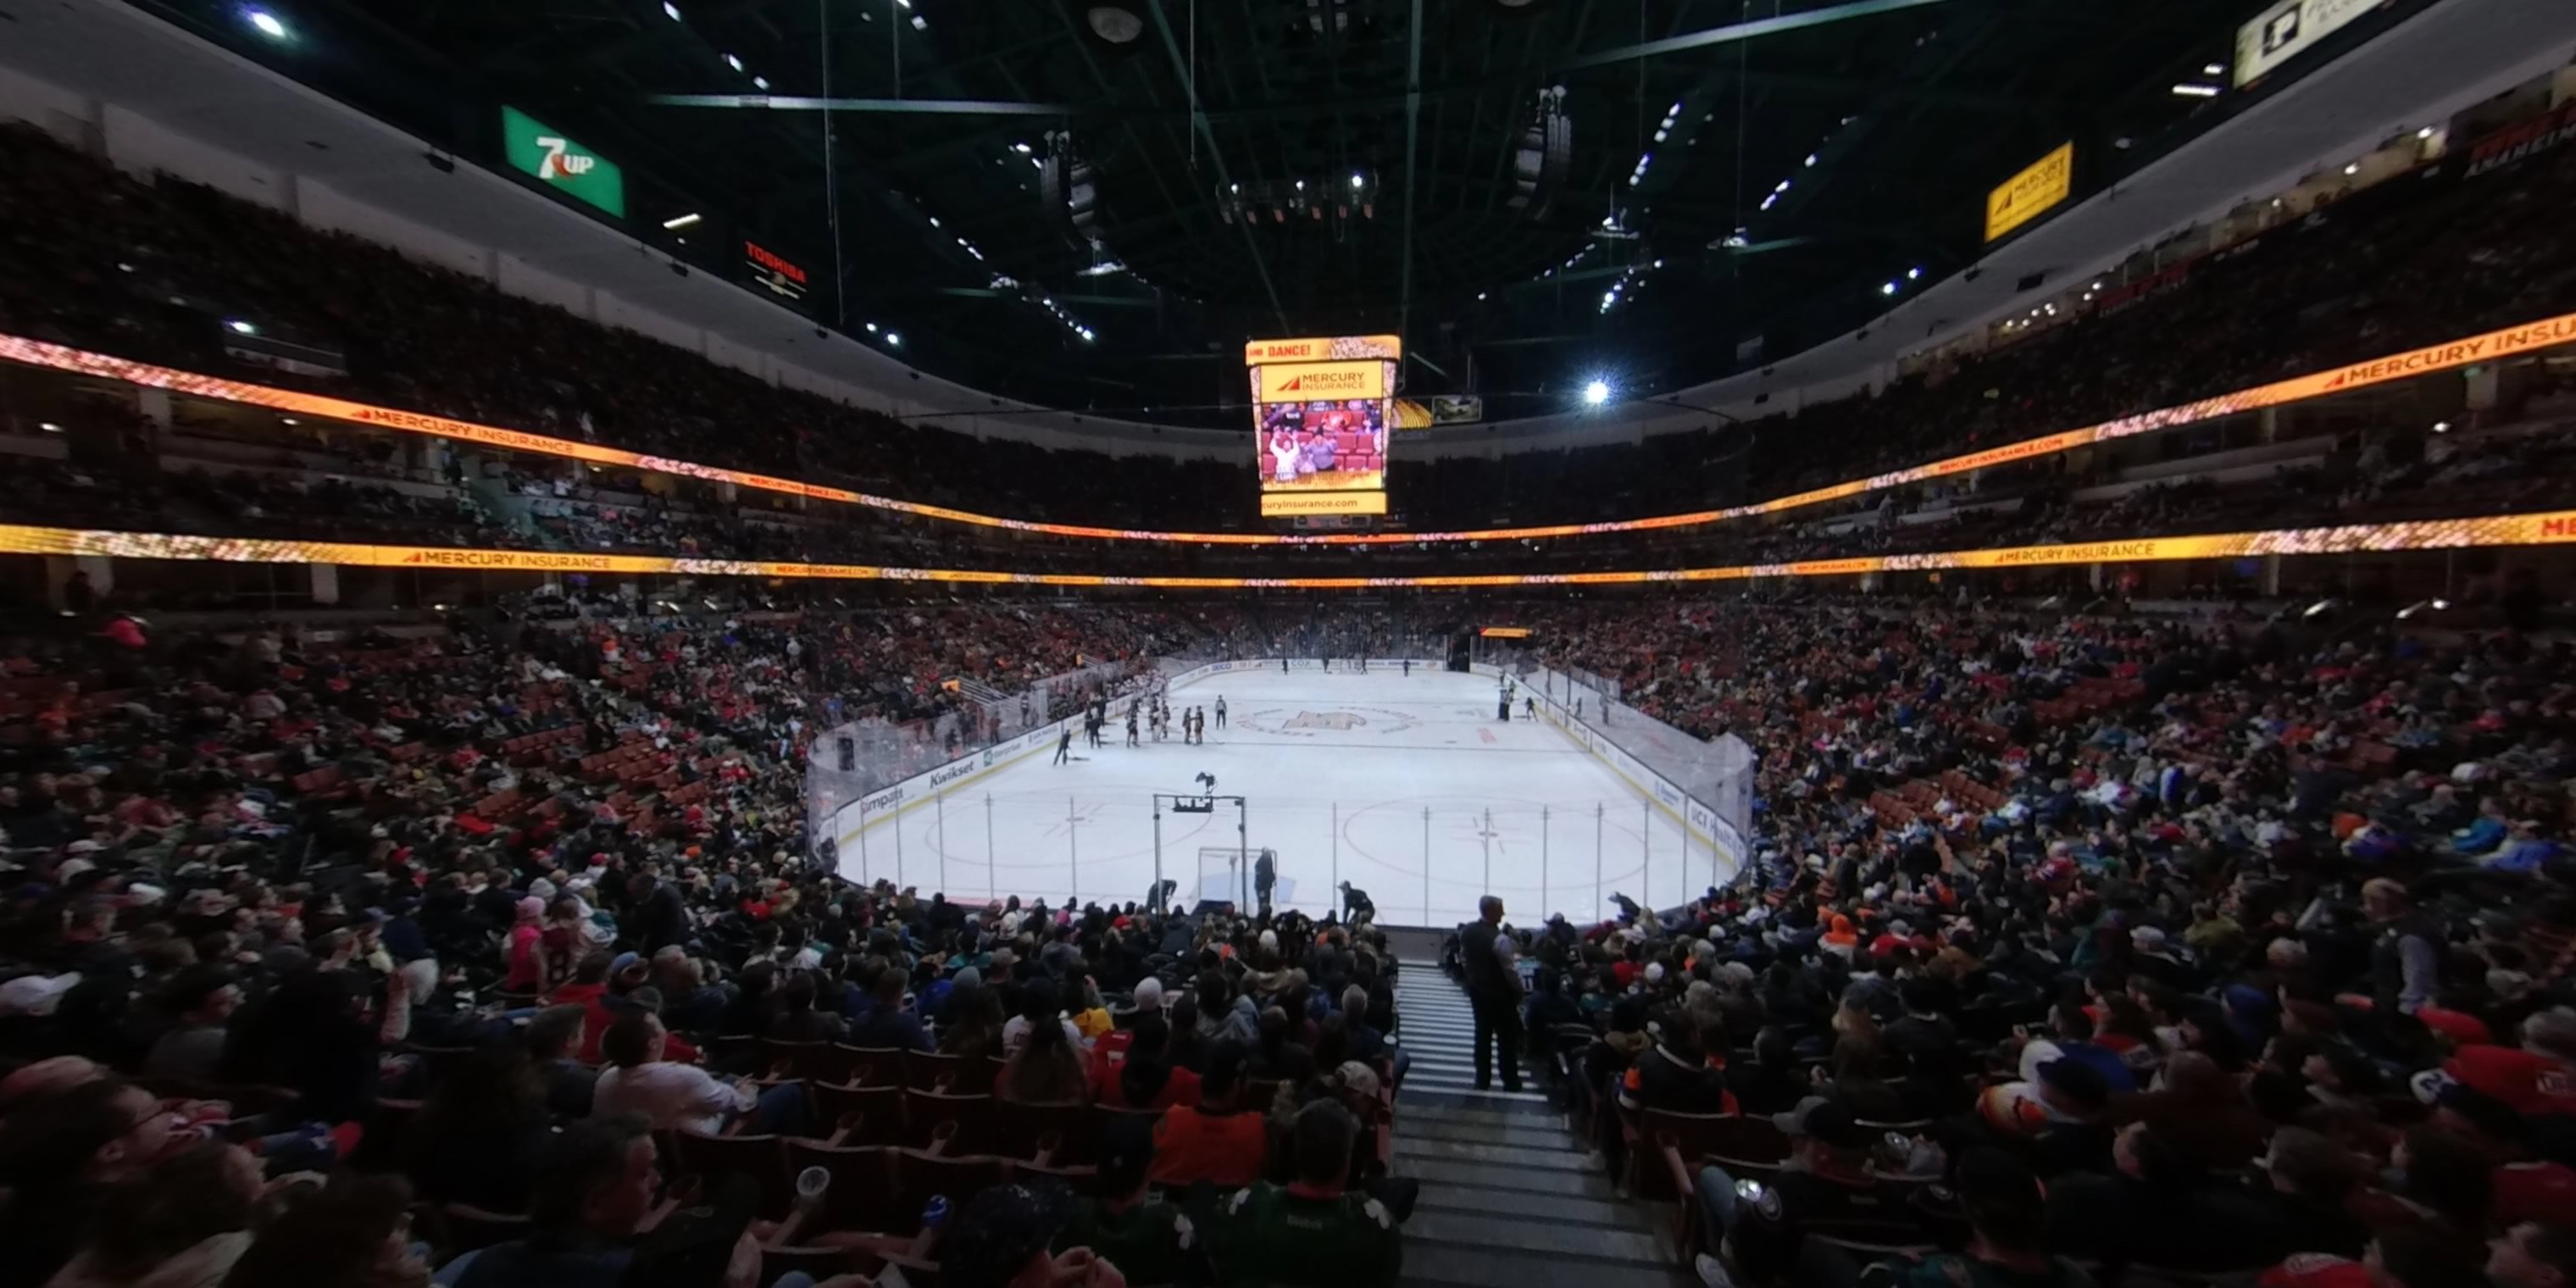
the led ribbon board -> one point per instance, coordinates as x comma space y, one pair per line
2556, 527
2507, 342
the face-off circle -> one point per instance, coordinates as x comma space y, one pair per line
1304, 722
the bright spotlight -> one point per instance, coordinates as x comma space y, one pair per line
1596, 393
267, 23
1887, 288
893, 340
1358, 182
239, 327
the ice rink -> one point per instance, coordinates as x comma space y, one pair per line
1407, 787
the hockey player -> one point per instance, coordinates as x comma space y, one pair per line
1064, 744
1131, 726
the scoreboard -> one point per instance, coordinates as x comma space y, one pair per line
1321, 411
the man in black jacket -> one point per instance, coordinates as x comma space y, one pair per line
659, 918
1494, 990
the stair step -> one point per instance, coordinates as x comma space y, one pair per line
1530, 1206
1440, 1263
1549, 1238
1528, 1134
1535, 1160
1460, 1115
1478, 1178
1418, 1093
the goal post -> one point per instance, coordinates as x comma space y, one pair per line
1222, 876
1220, 873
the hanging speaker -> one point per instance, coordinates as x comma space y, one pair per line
1542, 155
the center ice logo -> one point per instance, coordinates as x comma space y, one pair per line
1336, 721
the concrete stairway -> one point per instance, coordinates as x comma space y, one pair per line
1508, 1194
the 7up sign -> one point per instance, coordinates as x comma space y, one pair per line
537, 149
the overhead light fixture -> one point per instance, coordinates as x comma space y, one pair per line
760, 82
240, 327
872, 328
733, 62
1914, 274
2213, 69
1358, 182
920, 23
49, 427
1888, 288
265, 23
1114, 24
2194, 89
2351, 168
1811, 158
1022, 148
677, 222
670, 10
2441, 427
1596, 393
2425, 133
894, 340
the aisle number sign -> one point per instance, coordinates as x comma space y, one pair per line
555, 159
2031, 193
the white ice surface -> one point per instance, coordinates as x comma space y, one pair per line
1338, 771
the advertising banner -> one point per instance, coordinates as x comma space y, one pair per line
1322, 349
1285, 504
2025, 196
2289, 28
2542, 528
1319, 382
537, 149
2503, 343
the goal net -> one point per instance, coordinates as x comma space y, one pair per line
1222, 877
1226, 875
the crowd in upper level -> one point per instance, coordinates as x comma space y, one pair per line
154, 269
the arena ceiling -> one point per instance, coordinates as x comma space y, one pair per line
918, 198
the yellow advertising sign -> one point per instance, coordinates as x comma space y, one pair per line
1322, 349
1319, 381
1286, 505
1505, 632
2022, 197
2552, 527
2518, 340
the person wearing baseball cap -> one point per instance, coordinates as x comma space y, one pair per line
1827, 1180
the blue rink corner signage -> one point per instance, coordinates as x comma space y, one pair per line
553, 158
